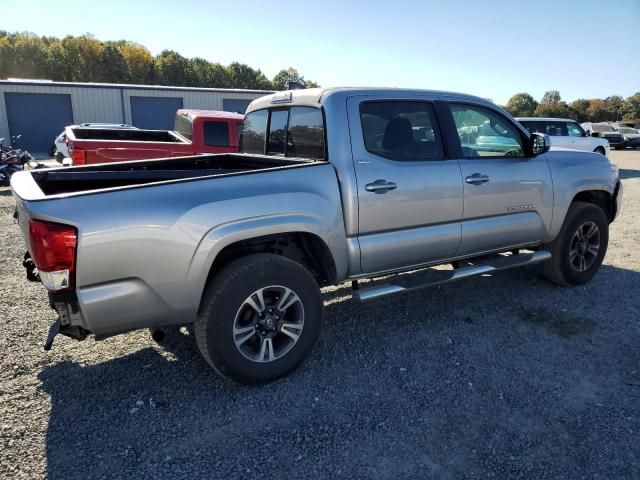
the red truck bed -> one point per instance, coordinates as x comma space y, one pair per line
195, 132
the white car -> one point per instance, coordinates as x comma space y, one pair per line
60, 150
566, 133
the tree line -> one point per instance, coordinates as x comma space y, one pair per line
610, 109
86, 59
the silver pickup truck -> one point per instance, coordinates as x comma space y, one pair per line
330, 185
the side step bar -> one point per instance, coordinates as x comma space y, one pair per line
430, 277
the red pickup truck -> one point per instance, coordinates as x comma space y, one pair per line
195, 131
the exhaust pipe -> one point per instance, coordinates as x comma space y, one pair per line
157, 334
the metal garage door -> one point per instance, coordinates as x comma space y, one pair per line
38, 117
234, 105
154, 113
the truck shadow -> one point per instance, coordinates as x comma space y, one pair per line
166, 411
627, 173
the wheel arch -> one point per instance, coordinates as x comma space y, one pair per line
302, 246
600, 198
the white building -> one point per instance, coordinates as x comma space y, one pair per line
40, 109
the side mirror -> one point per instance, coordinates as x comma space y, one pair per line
587, 133
539, 143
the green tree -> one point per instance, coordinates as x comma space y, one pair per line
614, 106
211, 75
598, 110
281, 80
521, 105
174, 69
551, 97
114, 68
552, 105
140, 63
631, 107
243, 76
560, 109
579, 108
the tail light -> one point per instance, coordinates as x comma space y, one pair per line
79, 156
53, 248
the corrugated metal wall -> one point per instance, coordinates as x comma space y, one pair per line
111, 104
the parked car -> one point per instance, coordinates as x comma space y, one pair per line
606, 131
330, 185
59, 149
631, 137
565, 133
195, 132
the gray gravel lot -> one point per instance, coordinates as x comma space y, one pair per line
502, 377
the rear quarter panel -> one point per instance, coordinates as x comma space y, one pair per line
144, 253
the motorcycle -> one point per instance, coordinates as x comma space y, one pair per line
14, 159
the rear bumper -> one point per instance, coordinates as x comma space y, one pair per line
116, 307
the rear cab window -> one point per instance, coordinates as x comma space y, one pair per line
216, 134
183, 126
289, 132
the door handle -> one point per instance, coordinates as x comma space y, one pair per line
380, 186
476, 179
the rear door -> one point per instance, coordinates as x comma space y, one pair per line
508, 197
409, 191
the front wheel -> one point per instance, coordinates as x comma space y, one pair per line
259, 319
600, 150
578, 250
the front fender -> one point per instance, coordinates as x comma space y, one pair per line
573, 173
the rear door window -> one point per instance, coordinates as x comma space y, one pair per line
555, 129
401, 130
216, 134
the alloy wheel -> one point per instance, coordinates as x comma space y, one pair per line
268, 323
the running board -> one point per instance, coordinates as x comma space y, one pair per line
432, 277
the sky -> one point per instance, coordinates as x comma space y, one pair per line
494, 49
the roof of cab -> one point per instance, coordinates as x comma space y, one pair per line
317, 96
193, 113
543, 119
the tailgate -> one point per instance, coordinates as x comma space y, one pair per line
24, 189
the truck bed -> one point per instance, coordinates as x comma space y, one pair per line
127, 135
104, 176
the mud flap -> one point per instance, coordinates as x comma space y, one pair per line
53, 331
30, 267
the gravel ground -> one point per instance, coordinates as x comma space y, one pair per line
500, 377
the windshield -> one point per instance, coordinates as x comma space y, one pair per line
602, 128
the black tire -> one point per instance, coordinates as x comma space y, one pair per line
226, 296
600, 150
559, 268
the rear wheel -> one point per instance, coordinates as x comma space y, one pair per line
578, 250
599, 150
260, 318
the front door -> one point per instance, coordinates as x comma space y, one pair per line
508, 196
409, 193
577, 137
